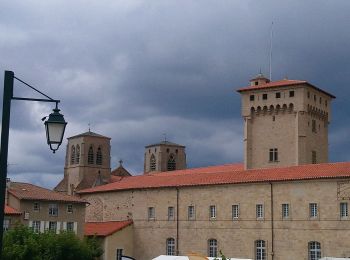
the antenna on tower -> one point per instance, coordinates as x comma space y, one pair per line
270, 63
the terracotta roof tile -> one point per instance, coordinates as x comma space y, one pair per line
11, 211
282, 83
27, 191
104, 228
233, 174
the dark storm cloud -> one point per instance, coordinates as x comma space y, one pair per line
138, 69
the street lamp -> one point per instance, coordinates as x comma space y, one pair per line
55, 127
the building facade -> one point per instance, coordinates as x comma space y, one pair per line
285, 202
43, 209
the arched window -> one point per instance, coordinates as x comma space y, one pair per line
171, 163
170, 246
314, 250
212, 248
72, 154
260, 250
99, 156
77, 154
91, 155
152, 163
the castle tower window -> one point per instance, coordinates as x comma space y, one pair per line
314, 157
273, 155
171, 163
91, 155
72, 155
314, 126
77, 155
291, 93
99, 156
152, 163
278, 95
251, 97
264, 96
170, 246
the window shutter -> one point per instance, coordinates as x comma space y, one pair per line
42, 226
30, 223
58, 227
64, 225
47, 225
75, 227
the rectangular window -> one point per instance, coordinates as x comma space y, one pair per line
235, 211
36, 226
264, 96
53, 226
151, 213
69, 208
314, 157
313, 210
36, 206
308, 94
6, 224
285, 210
325, 102
278, 95
315, 98
320, 100
291, 93
212, 211
70, 226
314, 126
171, 213
259, 211
53, 210
119, 254
273, 155
251, 97
191, 213
344, 210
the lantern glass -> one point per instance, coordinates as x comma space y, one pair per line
55, 127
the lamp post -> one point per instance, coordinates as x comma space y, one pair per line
55, 127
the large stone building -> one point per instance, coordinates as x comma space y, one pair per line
285, 202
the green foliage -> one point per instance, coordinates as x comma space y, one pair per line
223, 257
21, 243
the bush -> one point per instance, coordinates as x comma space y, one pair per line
22, 243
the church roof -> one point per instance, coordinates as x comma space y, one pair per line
165, 143
120, 171
104, 229
27, 191
282, 83
227, 174
89, 133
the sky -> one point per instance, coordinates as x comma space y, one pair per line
136, 69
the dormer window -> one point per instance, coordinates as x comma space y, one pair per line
91, 155
99, 156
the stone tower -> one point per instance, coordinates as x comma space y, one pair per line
164, 156
87, 162
285, 123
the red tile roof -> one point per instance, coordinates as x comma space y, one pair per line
11, 211
227, 174
104, 229
282, 83
27, 191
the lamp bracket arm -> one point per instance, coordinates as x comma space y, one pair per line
49, 98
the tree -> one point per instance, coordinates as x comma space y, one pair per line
22, 243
